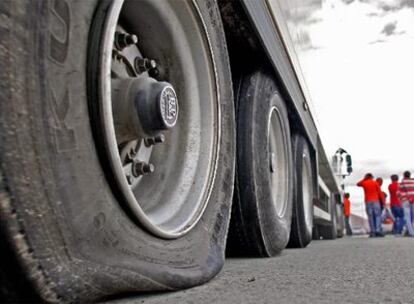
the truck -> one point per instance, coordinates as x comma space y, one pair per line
143, 141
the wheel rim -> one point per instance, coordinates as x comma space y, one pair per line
307, 193
278, 161
160, 125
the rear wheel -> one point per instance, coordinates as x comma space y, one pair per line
302, 217
125, 178
262, 206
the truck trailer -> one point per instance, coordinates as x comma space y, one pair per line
143, 141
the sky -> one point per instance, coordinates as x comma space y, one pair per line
357, 57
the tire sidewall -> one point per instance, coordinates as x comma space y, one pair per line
300, 148
82, 231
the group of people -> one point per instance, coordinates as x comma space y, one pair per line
401, 203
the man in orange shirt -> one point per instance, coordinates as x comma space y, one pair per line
373, 197
347, 214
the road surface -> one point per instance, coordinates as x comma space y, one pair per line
348, 270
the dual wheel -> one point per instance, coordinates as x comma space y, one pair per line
273, 199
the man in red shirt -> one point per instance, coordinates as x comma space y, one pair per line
372, 193
406, 196
347, 214
396, 208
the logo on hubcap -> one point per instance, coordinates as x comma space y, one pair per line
169, 106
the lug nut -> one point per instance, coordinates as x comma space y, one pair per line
142, 168
144, 64
149, 141
122, 40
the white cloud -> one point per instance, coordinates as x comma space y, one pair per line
360, 81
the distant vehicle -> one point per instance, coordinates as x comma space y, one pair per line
126, 125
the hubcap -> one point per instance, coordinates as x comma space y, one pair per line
158, 111
143, 107
278, 158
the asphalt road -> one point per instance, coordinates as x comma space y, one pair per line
347, 270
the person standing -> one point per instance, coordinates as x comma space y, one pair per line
372, 204
382, 194
381, 200
396, 208
406, 196
347, 214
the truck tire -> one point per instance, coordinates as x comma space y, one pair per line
302, 216
83, 213
262, 205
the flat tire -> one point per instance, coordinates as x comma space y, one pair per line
71, 230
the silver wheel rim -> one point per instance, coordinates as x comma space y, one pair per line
170, 200
307, 193
278, 157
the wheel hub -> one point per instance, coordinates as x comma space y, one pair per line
143, 107
156, 105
